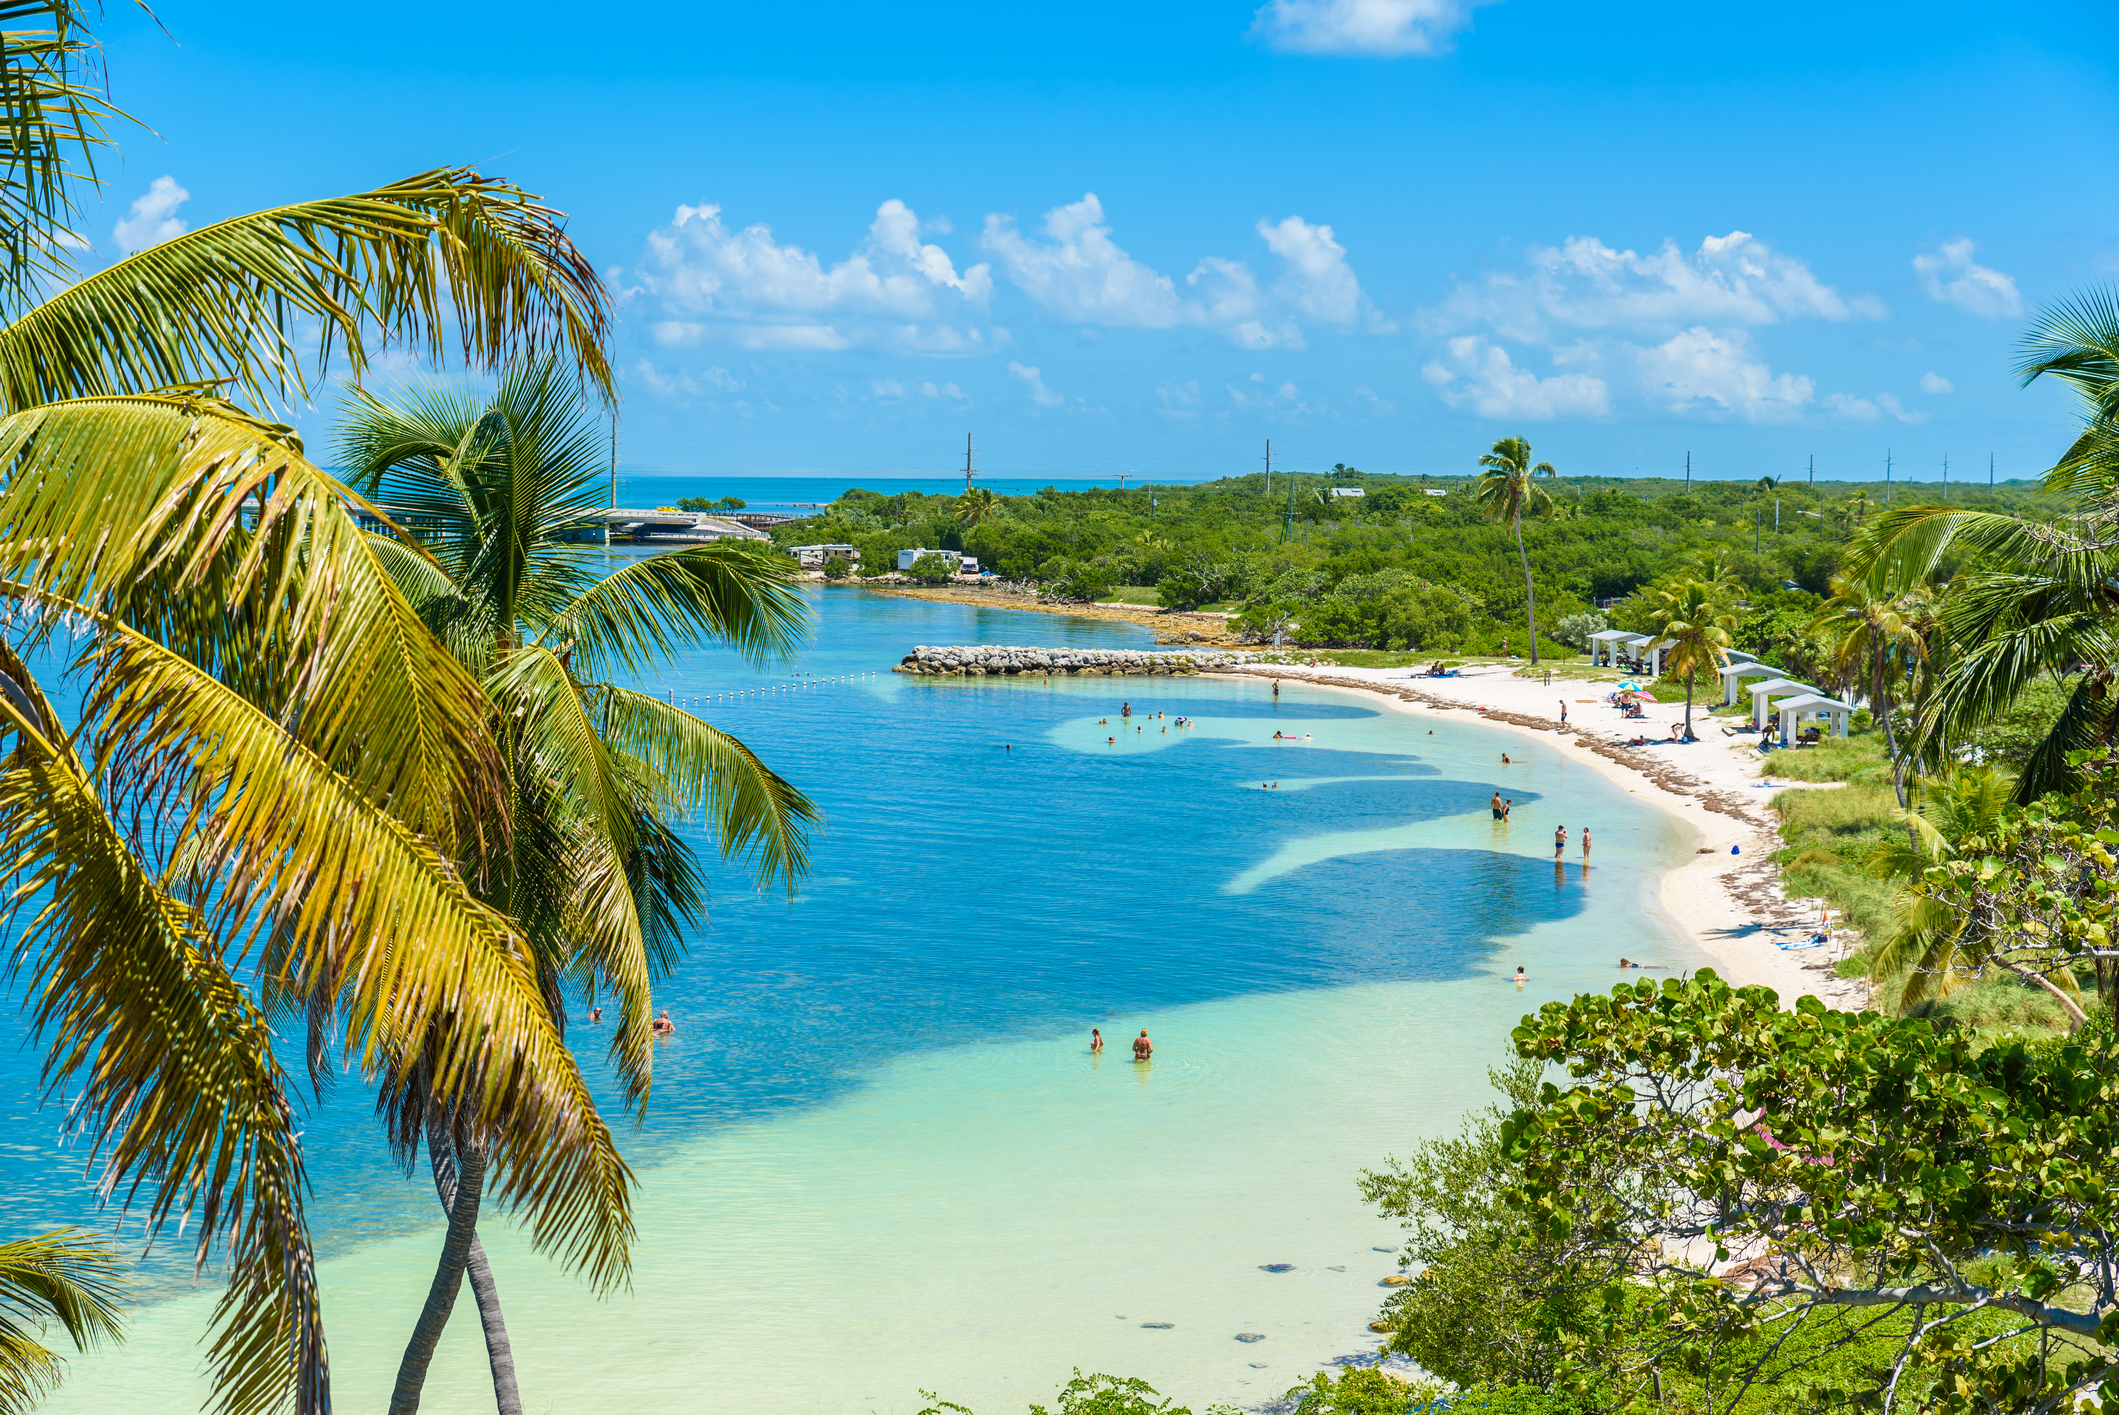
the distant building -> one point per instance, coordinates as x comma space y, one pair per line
813, 557
1432, 491
966, 564
1348, 491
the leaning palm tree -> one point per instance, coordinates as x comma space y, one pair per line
1694, 616
260, 797
1934, 949
502, 488
1876, 640
65, 1277
1507, 491
2042, 598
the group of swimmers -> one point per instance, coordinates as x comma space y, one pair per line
1523, 976
1143, 1049
1125, 713
1501, 808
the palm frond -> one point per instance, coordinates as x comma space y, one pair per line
217, 537
757, 814
65, 1276
2076, 341
339, 899
645, 611
170, 1061
445, 256
51, 123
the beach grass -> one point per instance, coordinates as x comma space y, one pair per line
1858, 760
1145, 595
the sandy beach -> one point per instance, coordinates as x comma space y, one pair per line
1730, 905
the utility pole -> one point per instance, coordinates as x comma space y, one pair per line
1813, 469
1269, 469
1288, 528
1946, 476
1887, 476
614, 478
1688, 473
1990, 471
1122, 480
967, 464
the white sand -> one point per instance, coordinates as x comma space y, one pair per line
1732, 908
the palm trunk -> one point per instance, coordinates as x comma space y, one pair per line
1883, 720
448, 1278
500, 1352
1530, 593
1690, 673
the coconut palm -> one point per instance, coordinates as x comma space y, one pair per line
978, 506
1877, 640
1934, 949
65, 1277
273, 762
1507, 491
502, 488
2042, 597
1694, 616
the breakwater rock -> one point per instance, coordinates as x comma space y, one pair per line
1000, 660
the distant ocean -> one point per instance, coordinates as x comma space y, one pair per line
775, 493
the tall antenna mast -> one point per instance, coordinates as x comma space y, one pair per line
1813, 469
1269, 469
967, 464
1688, 471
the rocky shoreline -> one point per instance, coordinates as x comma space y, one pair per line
1004, 660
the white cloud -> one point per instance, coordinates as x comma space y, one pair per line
1482, 378
1974, 288
1936, 383
1386, 27
1585, 284
153, 218
1082, 275
685, 384
1039, 393
1702, 373
1869, 410
761, 294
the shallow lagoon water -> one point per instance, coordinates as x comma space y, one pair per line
879, 1157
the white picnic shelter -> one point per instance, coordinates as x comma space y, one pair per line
1734, 673
1813, 705
1763, 693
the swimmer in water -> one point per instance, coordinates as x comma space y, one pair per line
1096, 1041
1504, 759
1521, 976
1142, 1047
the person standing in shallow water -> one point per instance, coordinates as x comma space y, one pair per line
1142, 1047
1496, 805
1096, 1041
1559, 840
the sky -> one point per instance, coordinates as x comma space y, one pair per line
1113, 238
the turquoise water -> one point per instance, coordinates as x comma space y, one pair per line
879, 1156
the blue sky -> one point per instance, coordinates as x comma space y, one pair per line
1108, 238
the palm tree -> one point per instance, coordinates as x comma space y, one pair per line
2042, 598
502, 488
1934, 948
978, 506
284, 761
65, 1276
1693, 615
1876, 640
1506, 491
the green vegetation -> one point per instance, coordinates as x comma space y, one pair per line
67, 1279
1398, 568
705, 503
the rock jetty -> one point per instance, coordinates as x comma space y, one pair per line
999, 660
